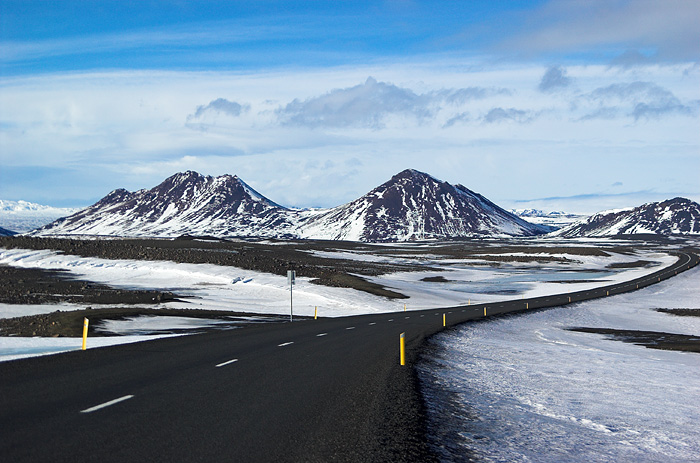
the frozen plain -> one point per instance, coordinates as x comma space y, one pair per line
208, 286
523, 388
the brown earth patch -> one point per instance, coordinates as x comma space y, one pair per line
70, 323
650, 339
681, 312
635, 264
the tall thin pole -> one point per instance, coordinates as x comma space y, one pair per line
291, 301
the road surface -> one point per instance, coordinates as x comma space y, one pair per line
312, 390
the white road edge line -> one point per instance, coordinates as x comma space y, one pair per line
106, 404
285, 344
223, 364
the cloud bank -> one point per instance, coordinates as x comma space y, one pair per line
322, 138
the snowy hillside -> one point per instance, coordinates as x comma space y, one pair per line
186, 203
23, 216
673, 216
410, 206
415, 206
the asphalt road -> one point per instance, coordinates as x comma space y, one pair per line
312, 390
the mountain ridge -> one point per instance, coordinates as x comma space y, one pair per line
672, 216
410, 206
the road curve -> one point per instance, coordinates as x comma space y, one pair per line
313, 390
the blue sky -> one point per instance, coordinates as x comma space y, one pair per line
575, 105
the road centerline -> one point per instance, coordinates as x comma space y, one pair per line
223, 364
107, 404
285, 344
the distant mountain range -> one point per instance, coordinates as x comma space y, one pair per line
554, 219
23, 216
411, 206
673, 216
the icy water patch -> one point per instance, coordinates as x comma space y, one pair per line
161, 324
524, 388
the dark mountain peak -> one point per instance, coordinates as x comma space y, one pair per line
414, 175
188, 175
116, 196
677, 201
413, 205
179, 179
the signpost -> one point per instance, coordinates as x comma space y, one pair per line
291, 275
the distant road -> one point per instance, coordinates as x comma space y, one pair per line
314, 390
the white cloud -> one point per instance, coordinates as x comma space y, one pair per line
508, 114
370, 104
220, 106
364, 105
639, 100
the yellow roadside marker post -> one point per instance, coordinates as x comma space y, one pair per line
402, 347
484, 311
85, 330
315, 312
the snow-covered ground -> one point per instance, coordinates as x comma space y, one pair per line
208, 286
526, 389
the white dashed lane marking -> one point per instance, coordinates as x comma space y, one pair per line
285, 344
106, 404
223, 364
321, 334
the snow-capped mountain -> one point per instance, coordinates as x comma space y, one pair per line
22, 216
555, 219
673, 216
186, 203
415, 206
410, 206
